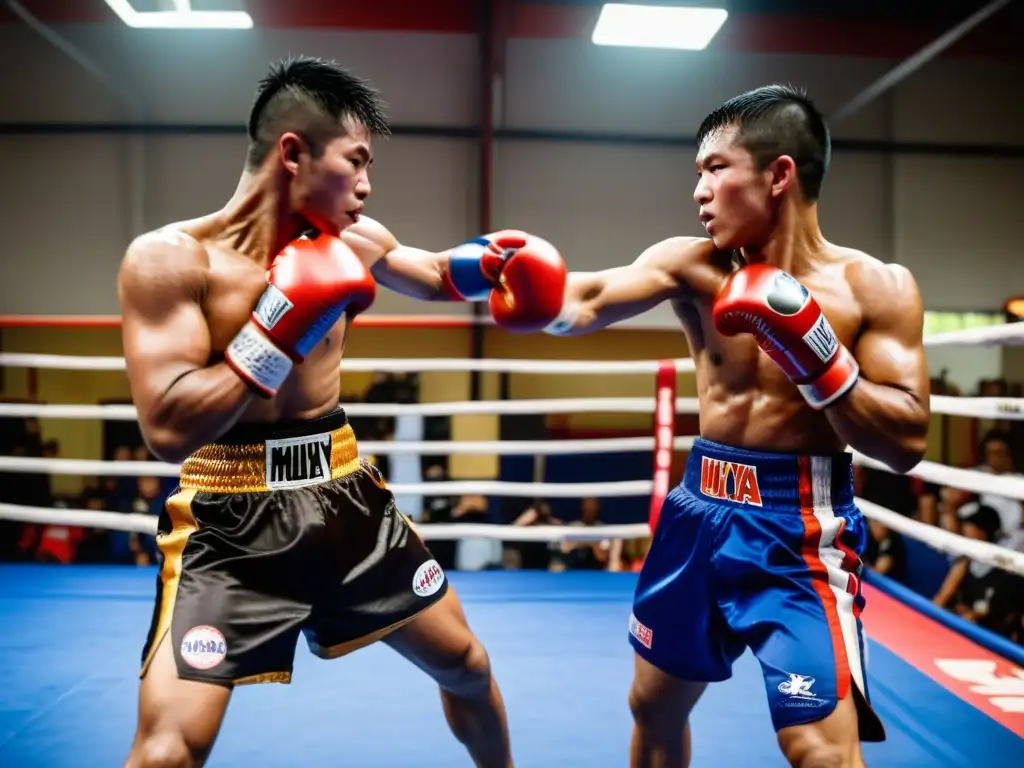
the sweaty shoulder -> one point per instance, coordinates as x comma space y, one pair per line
162, 264
369, 239
693, 262
881, 288
676, 252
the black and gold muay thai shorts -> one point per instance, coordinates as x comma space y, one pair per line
277, 529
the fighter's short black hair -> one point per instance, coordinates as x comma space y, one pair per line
777, 120
310, 96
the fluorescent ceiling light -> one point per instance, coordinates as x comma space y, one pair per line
658, 26
187, 19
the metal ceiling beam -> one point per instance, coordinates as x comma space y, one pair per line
910, 65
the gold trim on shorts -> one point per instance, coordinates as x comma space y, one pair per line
266, 677
183, 525
220, 468
350, 646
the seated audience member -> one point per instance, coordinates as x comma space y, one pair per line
586, 555
885, 552
96, 545
149, 501
928, 505
997, 459
474, 554
628, 554
969, 585
438, 509
892, 491
535, 555
59, 544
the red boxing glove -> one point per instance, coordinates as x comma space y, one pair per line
310, 284
789, 326
522, 277
530, 287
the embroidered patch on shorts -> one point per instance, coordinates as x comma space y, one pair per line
203, 647
643, 634
428, 578
296, 462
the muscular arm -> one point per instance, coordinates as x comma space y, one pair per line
595, 300
182, 401
885, 415
951, 584
401, 268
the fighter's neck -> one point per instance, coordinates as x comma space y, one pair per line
256, 221
795, 243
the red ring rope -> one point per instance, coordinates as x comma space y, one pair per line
664, 433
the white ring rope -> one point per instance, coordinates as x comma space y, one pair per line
136, 523
933, 536
385, 364
978, 407
1009, 334
946, 541
1006, 334
978, 482
499, 407
940, 474
966, 479
99, 468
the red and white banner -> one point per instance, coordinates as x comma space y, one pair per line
980, 677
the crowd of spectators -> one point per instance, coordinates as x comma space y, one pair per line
987, 596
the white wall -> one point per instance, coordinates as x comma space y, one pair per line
951, 219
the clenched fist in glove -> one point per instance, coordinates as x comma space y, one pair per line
310, 284
789, 326
522, 277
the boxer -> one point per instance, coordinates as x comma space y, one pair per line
233, 329
802, 348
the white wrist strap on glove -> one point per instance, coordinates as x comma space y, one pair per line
834, 382
258, 360
565, 321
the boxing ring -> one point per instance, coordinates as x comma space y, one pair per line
949, 693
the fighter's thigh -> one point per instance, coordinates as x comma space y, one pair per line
832, 741
675, 623
178, 719
656, 697
440, 642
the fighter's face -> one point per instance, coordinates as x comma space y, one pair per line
737, 204
329, 189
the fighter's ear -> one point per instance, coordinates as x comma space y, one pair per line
290, 148
783, 174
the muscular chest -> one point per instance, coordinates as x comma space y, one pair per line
234, 286
736, 362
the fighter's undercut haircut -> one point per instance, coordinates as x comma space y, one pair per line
314, 98
777, 120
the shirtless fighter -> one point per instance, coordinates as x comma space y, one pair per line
802, 348
234, 325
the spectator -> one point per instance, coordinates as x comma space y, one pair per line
142, 547
586, 555
997, 459
892, 491
438, 509
95, 546
969, 586
885, 552
59, 544
474, 554
628, 554
535, 554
